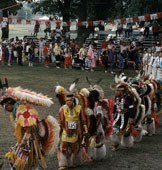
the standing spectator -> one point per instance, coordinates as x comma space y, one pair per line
110, 45
82, 55
156, 28
48, 28
105, 60
9, 54
57, 54
158, 47
31, 56
53, 34
41, 44
72, 46
0, 52
155, 64
58, 33
104, 45
46, 54
146, 29
141, 37
150, 64
91, 56
67, 58
36, 28
19, 50
111, 58
145, 61
158, 64
132, 53
123, 55
128, 30
4, 30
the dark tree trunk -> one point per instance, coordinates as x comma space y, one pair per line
66, 18
82, 32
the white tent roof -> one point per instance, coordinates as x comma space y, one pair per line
44, 18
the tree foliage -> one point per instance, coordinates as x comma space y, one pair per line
89, 10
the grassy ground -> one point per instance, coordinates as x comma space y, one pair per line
146, 155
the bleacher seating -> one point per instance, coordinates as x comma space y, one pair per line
34, 38
147, 43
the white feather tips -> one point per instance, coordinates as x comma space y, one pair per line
29, 96
72, 87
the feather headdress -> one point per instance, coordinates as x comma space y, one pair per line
28, 96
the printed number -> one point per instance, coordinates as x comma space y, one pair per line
72, 125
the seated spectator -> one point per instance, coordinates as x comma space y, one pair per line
119, 30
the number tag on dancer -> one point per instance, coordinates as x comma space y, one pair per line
72, 125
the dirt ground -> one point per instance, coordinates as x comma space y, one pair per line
146, 155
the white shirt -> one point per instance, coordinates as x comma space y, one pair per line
3, 24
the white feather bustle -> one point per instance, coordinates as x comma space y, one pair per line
137, 98
41, 129
142, 114
59, 89
116, 79
89, 112
141, 133
127, 141
152, 87
29, 96
115, 139
151, 127
55, 131
99, 153
52, 130
85, 92
63, 161
100, 90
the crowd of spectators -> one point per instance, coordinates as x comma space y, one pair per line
65, 53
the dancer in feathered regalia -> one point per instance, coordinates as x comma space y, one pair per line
35, 138
128, 114
72, 128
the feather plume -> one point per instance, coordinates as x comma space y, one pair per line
29, 96
51, 138
72, 87
116, 79
90, 84
73, 84
98, 82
